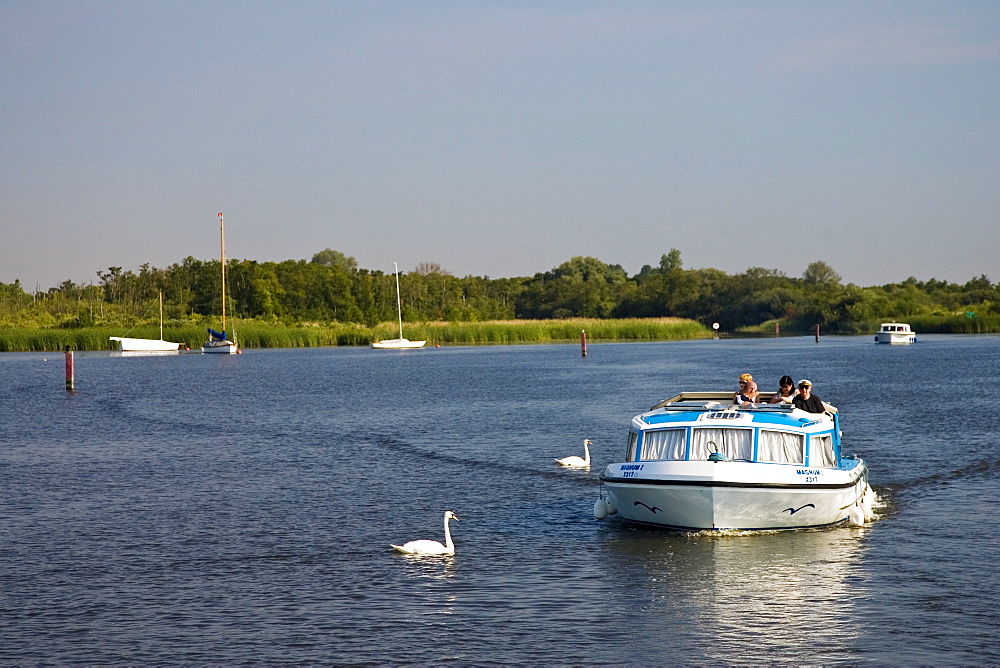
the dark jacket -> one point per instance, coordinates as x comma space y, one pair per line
811, 405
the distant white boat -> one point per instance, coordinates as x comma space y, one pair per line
218, 342
397, 343
400, 343
144, 345
126, 344
895, 333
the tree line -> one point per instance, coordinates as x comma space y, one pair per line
332, 288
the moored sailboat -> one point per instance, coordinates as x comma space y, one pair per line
218, 342
401, 342
126, 344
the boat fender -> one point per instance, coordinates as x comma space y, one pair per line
611, 507
857, 517
600, 509
868, 500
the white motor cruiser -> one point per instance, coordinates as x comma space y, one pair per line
698, 462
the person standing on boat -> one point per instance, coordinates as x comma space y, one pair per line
806, 400
786, 391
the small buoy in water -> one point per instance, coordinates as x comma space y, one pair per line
600, 509
438, 345
611, 507
857, 517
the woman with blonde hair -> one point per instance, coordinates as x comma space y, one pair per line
747, 394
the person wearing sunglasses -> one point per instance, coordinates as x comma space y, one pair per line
806, 400
786, 391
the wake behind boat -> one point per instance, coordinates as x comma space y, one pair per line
696, 462
400, 343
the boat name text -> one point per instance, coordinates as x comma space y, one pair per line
630, 470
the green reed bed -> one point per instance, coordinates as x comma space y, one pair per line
555, 331
254, 334
954, 324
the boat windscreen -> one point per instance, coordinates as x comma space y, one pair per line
780, 447
735, 444
821, 451
663, 444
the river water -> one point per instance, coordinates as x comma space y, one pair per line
239, 509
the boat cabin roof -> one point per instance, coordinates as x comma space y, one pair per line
895, 327
717, 407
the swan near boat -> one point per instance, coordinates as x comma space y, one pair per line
431, 547
576, 461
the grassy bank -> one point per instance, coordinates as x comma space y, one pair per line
921, 324
253, 334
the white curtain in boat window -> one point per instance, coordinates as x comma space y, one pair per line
821, 451
780, 447
633, 438
663, 444
733, 443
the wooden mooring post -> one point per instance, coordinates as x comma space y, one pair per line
70, 371
583, 343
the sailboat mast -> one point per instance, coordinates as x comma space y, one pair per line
399, 307
161, 315
222, 244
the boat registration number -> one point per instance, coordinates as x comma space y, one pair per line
812, 475
630, 470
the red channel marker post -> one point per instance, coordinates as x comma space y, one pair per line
70, 371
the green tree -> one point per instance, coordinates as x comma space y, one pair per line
332, 258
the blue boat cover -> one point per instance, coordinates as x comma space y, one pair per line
216, 335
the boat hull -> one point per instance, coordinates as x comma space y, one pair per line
895, 333
735, 495
895, 338
397, 344
220, 347
146, 345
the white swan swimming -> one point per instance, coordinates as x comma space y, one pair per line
431, 547
577, 461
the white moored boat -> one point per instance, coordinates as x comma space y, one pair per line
400, 343
218, 342
127, 345
696, 462
895, 332
145, 345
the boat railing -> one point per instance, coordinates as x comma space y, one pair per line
714, 401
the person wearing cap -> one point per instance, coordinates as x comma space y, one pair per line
806, 400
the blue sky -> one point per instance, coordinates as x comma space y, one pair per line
502, 138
